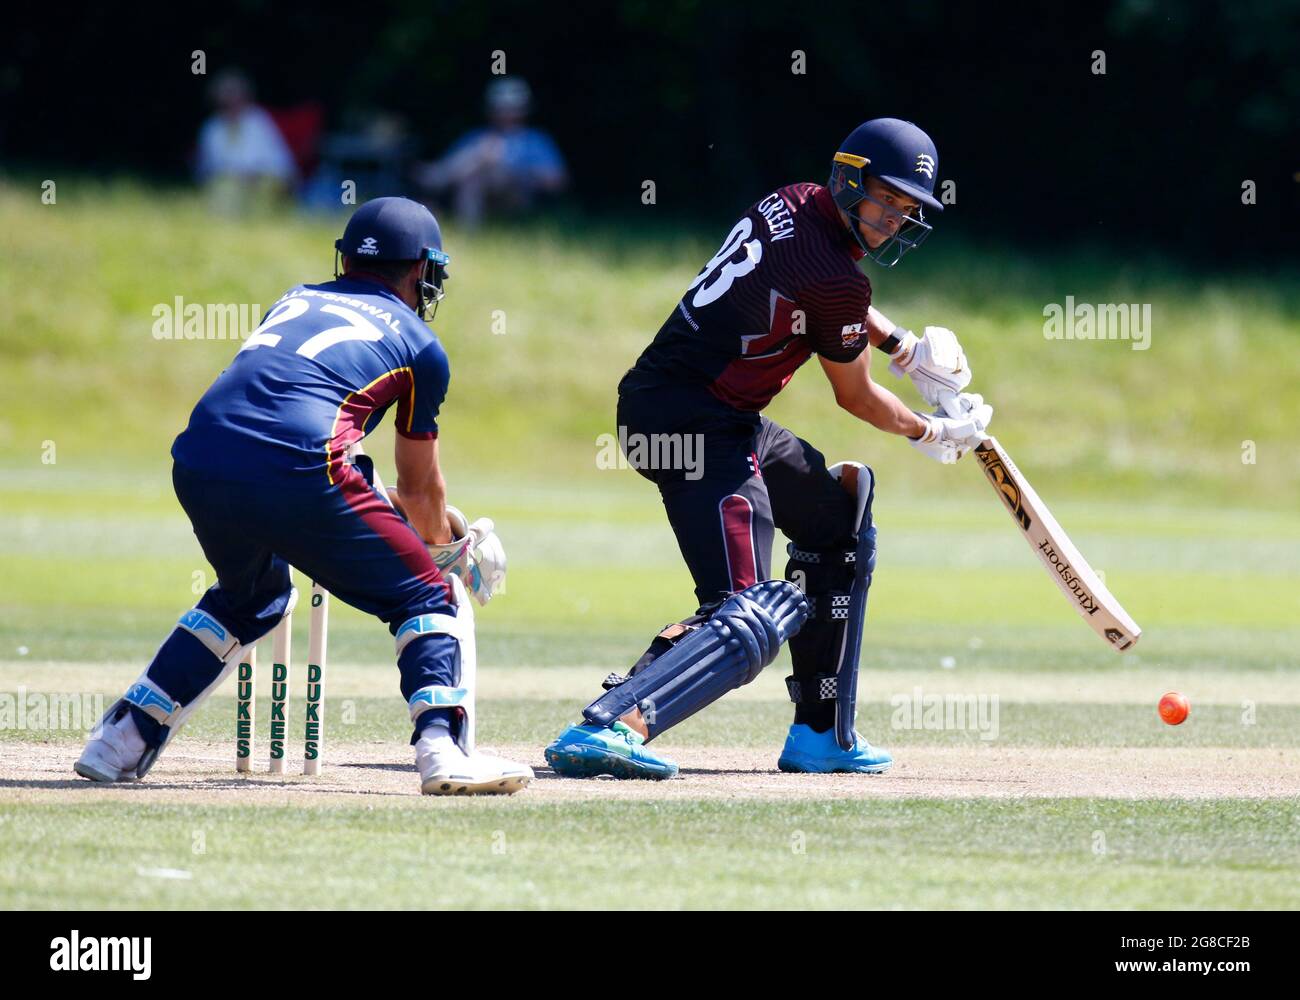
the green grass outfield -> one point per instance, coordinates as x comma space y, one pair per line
1137, 453
540, 324
528, 853
91, 603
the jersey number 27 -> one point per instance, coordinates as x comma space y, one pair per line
357, 328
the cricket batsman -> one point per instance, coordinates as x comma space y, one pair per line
784, 287
265, 473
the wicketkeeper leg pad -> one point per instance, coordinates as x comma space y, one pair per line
158, 716
459, 695
726, 651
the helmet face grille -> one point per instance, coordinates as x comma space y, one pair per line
848, 187
433, 274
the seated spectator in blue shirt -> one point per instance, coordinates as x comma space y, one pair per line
502, 167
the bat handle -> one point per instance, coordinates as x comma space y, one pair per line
951, 405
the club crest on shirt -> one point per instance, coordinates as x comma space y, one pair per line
850, 335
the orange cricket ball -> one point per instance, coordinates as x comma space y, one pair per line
1174, 707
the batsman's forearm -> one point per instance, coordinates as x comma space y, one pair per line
883, 410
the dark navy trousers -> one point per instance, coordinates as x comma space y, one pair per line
344, 535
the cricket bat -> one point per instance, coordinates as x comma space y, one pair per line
1063, 562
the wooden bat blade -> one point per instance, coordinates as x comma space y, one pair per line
1063, 562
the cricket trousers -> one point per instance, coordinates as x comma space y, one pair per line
343, 535
748, 476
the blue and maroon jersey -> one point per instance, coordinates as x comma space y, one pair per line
784, 286
319, 374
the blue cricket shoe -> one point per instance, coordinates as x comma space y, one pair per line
809, 752
584, 751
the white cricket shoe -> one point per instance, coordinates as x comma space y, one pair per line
445, 769
114, 749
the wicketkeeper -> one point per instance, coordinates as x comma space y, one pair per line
265, 473
785, 286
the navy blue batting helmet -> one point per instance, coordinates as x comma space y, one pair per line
397, 229
904, 157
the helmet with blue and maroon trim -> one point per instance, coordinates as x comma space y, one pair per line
901, 155
398, 229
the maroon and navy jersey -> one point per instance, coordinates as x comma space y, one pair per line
318, 375
784, 286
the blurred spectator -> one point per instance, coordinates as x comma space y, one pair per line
373, 149
243, 160
502, 167
301, 126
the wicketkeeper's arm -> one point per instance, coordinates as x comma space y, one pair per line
421, 489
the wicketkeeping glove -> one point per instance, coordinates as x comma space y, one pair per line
475, 554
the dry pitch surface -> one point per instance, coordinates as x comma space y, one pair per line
376, 771
194, 771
